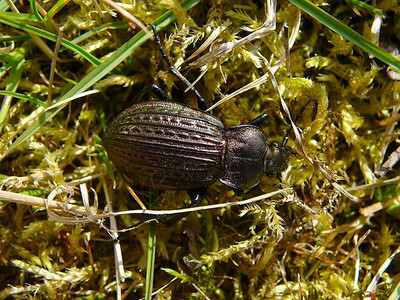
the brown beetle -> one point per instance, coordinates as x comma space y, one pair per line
169, 145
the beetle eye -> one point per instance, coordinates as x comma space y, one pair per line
274, 144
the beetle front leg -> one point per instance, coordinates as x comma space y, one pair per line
200, 100
259, 120
300, 113
157, 91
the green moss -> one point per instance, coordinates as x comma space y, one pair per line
282, 248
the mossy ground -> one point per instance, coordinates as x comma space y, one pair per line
302, 246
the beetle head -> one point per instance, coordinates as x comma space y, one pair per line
276, 159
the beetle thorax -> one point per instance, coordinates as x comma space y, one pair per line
246, 148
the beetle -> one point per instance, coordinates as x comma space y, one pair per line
172, 146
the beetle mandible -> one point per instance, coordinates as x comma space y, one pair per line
169, 145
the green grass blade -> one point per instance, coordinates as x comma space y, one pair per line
20, 17
151, 249
12, 85
24, 97
49, 36
151, 254
347, 32
4, 5
99, 72
35, 11
367, 6
53, 11
14, 38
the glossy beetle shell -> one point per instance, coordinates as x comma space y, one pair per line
244, 162
167, 145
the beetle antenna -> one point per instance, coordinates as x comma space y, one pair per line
200, 100
286, 138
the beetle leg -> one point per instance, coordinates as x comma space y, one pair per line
196, 195
286, 138
259, 120
157, 91
200, 100
238, 192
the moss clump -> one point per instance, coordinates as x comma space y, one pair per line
313, 242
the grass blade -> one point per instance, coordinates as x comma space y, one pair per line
24, 97
347, 32
47, 35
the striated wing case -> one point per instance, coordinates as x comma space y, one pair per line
166, 145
